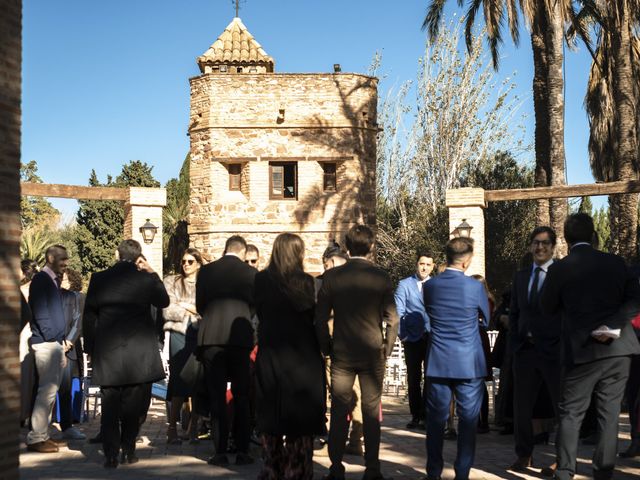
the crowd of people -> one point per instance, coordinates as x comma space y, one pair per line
260, 354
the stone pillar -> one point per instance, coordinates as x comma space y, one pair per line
469, 204
10, 125
143, 204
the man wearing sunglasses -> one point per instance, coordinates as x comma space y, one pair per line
253, 256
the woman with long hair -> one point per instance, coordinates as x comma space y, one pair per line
290, 383
181, 320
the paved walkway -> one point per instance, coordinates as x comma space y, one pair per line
402, 453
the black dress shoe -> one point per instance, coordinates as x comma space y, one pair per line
244, 459
219, 460
521, 464
111, 462
413, 424
129, 458
450, 434
632, 451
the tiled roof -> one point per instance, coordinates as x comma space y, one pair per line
235, 45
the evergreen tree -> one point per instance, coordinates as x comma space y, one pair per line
35, 212
101, 222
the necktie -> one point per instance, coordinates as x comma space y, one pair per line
533, 294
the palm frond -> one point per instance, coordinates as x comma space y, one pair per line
470, 16
493, 16
432, 20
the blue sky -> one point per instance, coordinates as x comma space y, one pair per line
107, 82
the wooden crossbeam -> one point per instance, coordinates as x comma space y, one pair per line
78, 192
563, 191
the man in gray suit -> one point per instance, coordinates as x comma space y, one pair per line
598, 297
224, 299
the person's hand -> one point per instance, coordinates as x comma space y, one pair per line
143, 265
68, 345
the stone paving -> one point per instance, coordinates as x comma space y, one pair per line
402, 453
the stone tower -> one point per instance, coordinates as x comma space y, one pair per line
278, 152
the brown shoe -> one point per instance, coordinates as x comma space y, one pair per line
521, 464
43, 447
549, 471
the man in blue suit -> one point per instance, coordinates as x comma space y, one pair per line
414, 328
48, 327
456, 305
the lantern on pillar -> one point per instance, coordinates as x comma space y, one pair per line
463, 230
148, 231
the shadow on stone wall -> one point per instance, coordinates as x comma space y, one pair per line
356, 192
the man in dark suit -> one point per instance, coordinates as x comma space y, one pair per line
597, 297
414, 330
224, 299
535, 343
457, 305
48, 327
120, 337
365, 326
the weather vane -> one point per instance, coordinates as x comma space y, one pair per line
237, 4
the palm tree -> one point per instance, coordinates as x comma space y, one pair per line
546, 19
613, 108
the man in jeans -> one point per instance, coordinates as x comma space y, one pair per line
48, 327
365, 326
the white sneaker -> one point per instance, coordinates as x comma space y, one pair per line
72, 433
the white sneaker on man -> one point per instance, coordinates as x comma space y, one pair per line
72, 433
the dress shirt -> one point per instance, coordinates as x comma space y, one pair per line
541, 276
51, 274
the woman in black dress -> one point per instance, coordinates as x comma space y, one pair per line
290, 405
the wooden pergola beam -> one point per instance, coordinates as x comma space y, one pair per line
563, 191
77, 192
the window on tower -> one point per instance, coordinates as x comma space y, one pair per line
283, 180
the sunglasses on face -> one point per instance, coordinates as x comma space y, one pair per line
252, 261
541, 243
188, 262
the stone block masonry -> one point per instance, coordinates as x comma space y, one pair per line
258, 120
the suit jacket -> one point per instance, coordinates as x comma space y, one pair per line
414, 321
592, 288
224, 300
48, 322
118, 327
360, 294
454, 303
526, 318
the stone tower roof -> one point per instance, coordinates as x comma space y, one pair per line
236, 46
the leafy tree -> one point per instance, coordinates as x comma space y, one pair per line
507, 224
613, 105
546, 20
100, 222
461, 119
175, 219
35, 211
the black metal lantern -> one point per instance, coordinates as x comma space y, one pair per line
148, 231
463, 230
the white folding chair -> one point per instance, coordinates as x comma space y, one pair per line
89, 391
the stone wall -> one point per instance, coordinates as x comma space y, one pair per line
258, 119
10, 124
